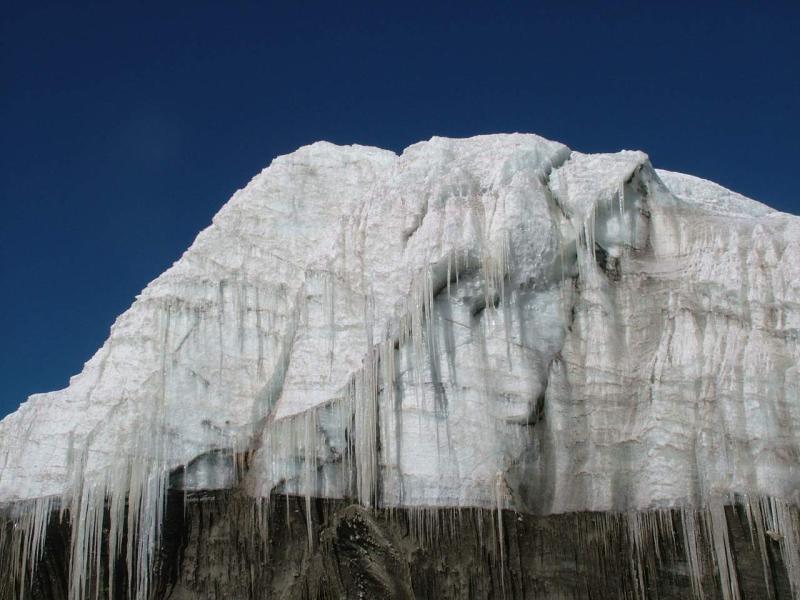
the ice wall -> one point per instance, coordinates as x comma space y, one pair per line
493, 322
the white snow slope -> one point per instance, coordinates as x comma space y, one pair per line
487, 322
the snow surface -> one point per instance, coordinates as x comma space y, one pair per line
494, 322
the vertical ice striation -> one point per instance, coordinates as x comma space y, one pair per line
494, 323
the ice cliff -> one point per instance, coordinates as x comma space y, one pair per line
496, 322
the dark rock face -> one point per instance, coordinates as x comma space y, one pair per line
221, 546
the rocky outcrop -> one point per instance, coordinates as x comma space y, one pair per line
223, 546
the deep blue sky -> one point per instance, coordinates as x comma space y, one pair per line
125, 126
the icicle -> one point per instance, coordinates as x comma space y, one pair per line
636, 540
366, 430
29, 521
692, 550
783, 525
310, 463
500, 497
756, 524
449, 261
717, 527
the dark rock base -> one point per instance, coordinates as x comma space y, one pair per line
222, 546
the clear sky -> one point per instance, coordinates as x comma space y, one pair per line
125, 126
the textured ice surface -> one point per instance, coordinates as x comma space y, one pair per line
493, 322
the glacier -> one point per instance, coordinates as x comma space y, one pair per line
496, 323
